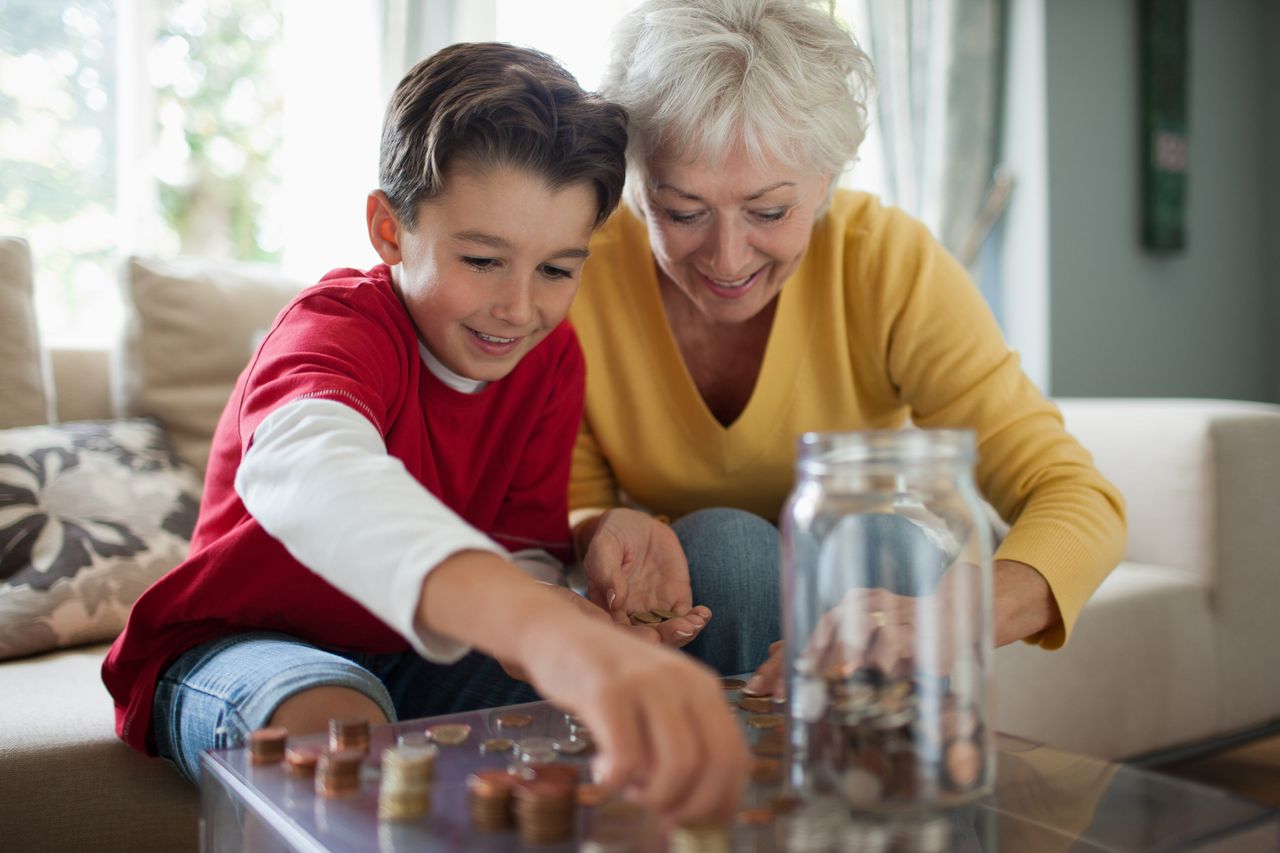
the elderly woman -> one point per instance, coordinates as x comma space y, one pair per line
739, 299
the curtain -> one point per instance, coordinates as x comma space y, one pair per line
940, 73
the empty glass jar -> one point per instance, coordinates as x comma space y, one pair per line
887, 612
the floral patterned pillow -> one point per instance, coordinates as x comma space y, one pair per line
90, 514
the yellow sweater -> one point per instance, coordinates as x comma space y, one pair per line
878, 324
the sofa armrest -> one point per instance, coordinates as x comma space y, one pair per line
1187, 469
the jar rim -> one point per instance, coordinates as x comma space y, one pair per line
819, 452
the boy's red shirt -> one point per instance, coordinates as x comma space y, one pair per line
499, 458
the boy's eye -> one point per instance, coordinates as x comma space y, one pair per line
555, 272
481, 263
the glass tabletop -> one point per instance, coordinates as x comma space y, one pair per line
1044, 800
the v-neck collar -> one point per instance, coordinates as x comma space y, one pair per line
784, 353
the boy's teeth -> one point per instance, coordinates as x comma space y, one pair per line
493, 339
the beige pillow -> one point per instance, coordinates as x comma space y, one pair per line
192, 326
22, 392
91, 513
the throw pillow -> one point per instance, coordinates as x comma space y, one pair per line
193, 325
90, 514
22, 389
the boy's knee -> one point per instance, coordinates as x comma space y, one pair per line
309, 711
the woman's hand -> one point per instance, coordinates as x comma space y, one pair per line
634, 563
665, 734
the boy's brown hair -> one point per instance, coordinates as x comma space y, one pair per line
492, 104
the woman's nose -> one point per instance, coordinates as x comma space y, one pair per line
729, 250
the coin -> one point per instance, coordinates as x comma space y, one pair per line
732, 683
300, 761
964, 763
572, 746
515, 721
450, 734
648, 617
764, 721
755, 704
266, 746
766, 771
709, 838
497, 744
755, 817
665, 614
590, 794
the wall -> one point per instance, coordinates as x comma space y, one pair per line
1123, 322
1271, 149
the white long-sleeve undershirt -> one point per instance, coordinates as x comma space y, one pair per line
318, 478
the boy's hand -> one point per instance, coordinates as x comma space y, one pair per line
642, 633
665, 734
635, 563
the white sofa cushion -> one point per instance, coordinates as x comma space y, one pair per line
22, 389
192, 326
66, 781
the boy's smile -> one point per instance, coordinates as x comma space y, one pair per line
491, 265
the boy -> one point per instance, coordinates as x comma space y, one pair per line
391, 426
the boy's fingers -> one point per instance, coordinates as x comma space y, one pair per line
674, 752
715, 795
620, 737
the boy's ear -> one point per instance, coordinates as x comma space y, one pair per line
384, 227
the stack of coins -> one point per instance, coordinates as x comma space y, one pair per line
544, 810
301, 761
450, 734
406, 782
266, 746
348, 734
706, 838
566, 773
489, 799
338, 773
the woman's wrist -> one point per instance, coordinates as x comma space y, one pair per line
1024, 602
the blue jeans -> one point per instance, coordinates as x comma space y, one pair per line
733, 569
213, 695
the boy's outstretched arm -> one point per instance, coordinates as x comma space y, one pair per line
664, 730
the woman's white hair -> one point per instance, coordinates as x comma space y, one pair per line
783, 79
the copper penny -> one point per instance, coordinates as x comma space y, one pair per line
755, 704
515, 721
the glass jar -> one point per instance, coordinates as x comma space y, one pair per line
887, 620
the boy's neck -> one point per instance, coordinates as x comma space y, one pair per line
455, 381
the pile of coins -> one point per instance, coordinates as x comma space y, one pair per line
349, 734
653, 617
888, 742
407, 772
338, 773
544, 810
266, 746
300, 761
489, 799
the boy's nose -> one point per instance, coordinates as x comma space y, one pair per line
514, 304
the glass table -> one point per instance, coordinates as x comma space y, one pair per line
1044, 800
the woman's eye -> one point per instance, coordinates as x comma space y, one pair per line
680, 218
771, 215
481, 263
555, 272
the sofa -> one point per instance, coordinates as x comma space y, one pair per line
1176, 650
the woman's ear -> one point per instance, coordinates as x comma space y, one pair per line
384, 227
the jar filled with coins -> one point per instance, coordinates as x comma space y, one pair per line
887, 615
